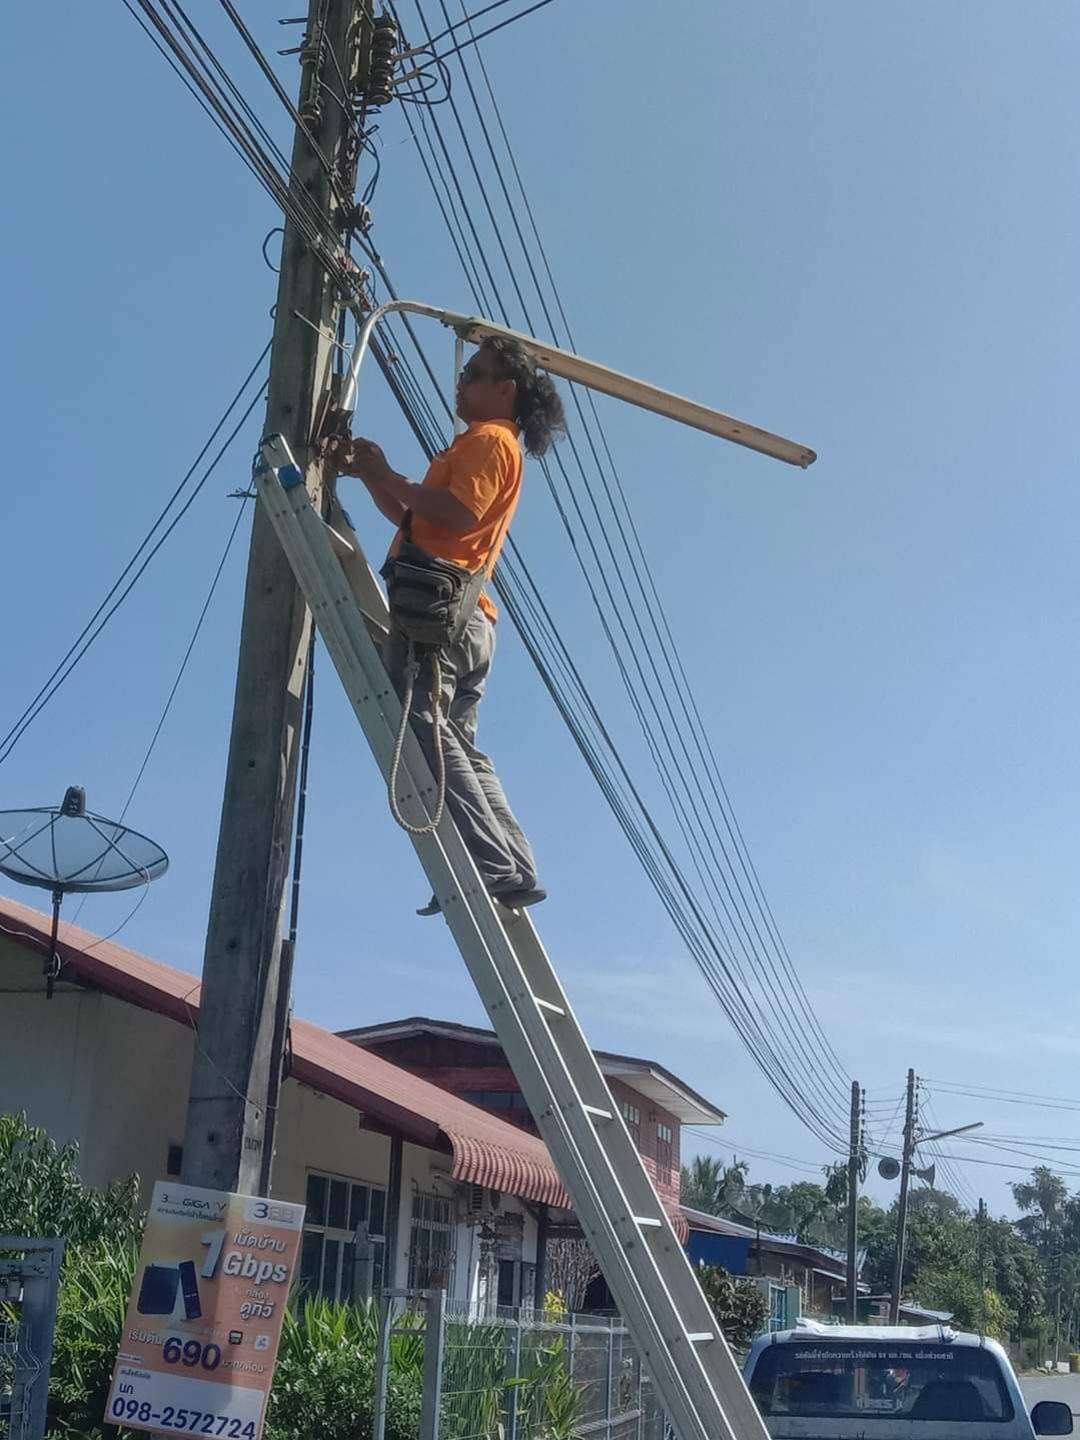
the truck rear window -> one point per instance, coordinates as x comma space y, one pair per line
881, 1381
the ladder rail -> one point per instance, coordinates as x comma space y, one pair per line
624, 1157
649, 1272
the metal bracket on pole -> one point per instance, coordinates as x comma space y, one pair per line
459, 365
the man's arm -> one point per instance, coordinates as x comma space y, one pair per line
437, 507
394, 493
391, 508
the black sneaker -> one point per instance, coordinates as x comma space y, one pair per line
521, 898
518, 898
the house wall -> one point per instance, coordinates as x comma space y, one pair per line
317, 1132
81, 1067
141, 1078
45, 1069
465, 1066
653, 1115
99, 1071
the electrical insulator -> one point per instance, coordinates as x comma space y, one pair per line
381, 71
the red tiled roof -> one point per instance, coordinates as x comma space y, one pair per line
486, 1151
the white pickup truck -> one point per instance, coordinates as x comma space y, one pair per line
831, 1382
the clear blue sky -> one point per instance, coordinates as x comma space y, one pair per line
857, 225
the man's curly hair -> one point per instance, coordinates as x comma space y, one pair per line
538, 409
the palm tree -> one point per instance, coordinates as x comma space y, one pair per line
701, 1184
1043, 1197
810, 1211
733, 1185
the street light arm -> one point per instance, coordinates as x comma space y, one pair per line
944, 1134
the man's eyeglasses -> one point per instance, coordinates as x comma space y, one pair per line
476, 374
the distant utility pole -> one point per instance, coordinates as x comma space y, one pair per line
980, 1241
233, 1084
905, 1185
912, 1137
855, 1154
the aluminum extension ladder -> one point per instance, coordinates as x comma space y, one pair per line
646, 1268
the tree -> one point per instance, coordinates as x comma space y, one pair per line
937, 1203
715, 1188
837, 1185
739, 1305
957, 1291
571, 1268
1043, 1199
700, 1184
42, 1192
1013, 1268
802, 1210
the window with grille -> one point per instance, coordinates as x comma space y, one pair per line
329, 1262
632, 1116
665, 1146
431, 1242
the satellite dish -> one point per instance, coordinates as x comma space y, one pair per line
888, 1168
69, 850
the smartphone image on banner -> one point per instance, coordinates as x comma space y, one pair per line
189, 1285
157, 1293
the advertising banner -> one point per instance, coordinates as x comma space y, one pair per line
204, 1319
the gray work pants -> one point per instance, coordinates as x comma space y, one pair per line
474, 796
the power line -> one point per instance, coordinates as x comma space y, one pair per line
1005, 1097
667, 645
723, 799
574, 703
811, 1062
109, 606
192, 55
953, 1177
478, 14
737, 1149
175, 685
725, 972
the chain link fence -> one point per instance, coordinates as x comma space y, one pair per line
510, 1374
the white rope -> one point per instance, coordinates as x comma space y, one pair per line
412, 671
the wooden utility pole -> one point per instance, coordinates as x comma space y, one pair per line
902, 1208
855, 1149
980, 1234
232, 1080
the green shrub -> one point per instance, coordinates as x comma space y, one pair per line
42, 1193
325, 1377
89, 1322
739, 1307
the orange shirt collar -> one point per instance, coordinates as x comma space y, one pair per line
511, 425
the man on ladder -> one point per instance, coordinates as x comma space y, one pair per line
451, 528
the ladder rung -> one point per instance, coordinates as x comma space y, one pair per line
549, 1005
698, 1337
648, 1222
600, 1114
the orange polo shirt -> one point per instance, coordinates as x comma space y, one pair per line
481, 469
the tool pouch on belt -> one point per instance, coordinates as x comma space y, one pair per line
431, 600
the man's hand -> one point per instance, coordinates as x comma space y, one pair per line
359, 457
393, 493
